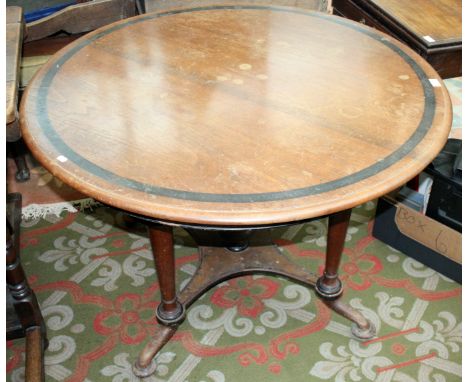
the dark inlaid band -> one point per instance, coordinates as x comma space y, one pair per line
401, 152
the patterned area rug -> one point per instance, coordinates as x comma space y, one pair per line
97, 288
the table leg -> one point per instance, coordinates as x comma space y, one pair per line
170, 312
329, 286
239, 254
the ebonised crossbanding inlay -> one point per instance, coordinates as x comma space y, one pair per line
53, 136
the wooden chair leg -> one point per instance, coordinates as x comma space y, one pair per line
23, 298
25, 301
34, 355
19, 156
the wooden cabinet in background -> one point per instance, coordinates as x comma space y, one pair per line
430, 27
315, 5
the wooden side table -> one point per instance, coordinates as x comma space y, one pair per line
228, 120
433, 28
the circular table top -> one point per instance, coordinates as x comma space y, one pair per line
235, 115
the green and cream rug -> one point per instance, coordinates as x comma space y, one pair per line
97, 287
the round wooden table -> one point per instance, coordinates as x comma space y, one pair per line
227, 119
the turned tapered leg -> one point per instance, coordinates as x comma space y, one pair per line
329, 286
170, 311
238, 254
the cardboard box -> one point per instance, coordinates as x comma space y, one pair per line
420, 237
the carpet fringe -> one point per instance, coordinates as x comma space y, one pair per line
36, 211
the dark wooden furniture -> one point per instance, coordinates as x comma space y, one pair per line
23, 315
160, 5
227, 120
433, 28
47, 35
80, 18
74, 21
14, 42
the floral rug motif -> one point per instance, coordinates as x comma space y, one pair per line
96, 284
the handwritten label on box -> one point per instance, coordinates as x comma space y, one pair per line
429, 232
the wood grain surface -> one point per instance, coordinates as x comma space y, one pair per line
235, 116
439, 19
34, 368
